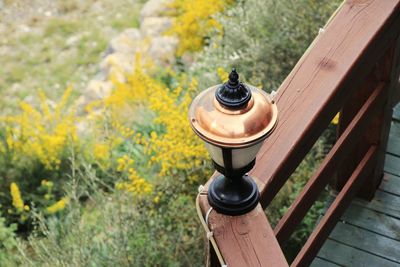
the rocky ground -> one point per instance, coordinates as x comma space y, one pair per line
50, 44
149, 40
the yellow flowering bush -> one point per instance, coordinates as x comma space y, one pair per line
37, 142
17, 201
58, 206
178, 149
194, 21
21, 210
136, 185
172, 145
42, 134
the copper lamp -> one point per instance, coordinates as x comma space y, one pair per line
233, 119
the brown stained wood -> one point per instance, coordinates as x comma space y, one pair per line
384, 122
338, 62
350, 109
246, 240
321, 177
339, 205
317, 87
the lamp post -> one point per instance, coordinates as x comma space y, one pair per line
233, 119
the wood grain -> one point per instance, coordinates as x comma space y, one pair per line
391, 184
246, 240
321, 177
319, 262
334, 67
345, 255
392, 164
367, 241
374, 221
339, 205
381, 72
383, 202
317, 87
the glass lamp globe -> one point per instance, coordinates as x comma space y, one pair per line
233, 119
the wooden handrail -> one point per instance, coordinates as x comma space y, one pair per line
332, 71
339, 61
342, 201
322, 176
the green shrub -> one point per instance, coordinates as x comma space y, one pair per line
264, 39
116, 229
8, 243
157, 154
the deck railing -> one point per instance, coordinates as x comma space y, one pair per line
352, 67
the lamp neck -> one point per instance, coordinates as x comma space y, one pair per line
234, 173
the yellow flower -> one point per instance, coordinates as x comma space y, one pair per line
336, 119
59, 205
194, 21
136, 185
17, 201
101, 152
156, 199
223, 75
42, 134
123, 163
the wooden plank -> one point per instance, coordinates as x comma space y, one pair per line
392, 164
339, 205
319, 262
308, 99
396, 112
384, 120
395, 129
317, 87
390, 184
382, 202
321, 177
393, 146
367, 241
373, 221
246, 240
379, 124
349, 256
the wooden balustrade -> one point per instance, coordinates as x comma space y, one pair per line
354, 60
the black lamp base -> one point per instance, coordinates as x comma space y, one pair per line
233, 196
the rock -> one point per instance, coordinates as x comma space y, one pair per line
162, 49
98, 90
126, 42
119, 61
155, 26
154, 8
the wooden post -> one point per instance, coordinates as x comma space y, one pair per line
386, 70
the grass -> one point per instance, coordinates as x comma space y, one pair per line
49, 52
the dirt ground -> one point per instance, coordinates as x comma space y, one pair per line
49, 44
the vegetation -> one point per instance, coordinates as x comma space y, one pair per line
122, 190
52, 44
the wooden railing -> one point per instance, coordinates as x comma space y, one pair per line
352, 67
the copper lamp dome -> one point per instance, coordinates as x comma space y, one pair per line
233, 119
